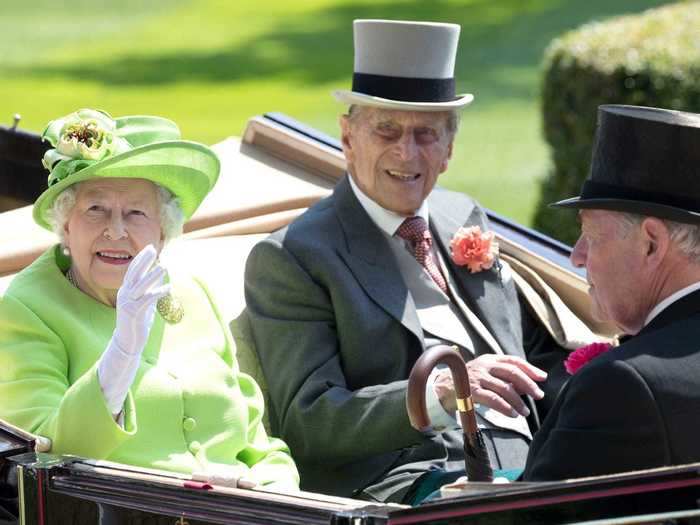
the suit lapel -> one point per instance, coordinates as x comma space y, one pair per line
474, 320
492, 311
371, 261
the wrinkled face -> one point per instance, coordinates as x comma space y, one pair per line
395, 157
614, 262
112, 220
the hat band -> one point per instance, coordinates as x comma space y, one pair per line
406, 89
601, 190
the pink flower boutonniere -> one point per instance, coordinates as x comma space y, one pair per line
474, 249
581, 356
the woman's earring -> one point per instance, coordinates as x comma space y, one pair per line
66, 251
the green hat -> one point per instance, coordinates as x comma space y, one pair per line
90, 144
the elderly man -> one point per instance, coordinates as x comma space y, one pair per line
344, 300
635, 406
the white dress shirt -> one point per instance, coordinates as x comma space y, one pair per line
387, 221
670, 300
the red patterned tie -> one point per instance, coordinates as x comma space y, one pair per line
415, 231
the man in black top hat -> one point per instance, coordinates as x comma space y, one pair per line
635, 406
343, 301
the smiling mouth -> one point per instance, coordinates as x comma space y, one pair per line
114, 258
403, 176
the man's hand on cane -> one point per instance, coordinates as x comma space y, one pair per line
496, 381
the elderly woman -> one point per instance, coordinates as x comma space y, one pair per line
101, 350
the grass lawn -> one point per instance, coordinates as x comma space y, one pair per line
211, 64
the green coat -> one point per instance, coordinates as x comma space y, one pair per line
189, 408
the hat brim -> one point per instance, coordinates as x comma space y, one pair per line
653, 209
353, 97
188, 169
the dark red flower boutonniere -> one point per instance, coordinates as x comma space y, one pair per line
474, 249
581, 356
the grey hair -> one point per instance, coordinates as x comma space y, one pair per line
57, 215
686, 237
172, 219
171, 216
451, 123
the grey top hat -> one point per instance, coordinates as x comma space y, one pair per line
404, 65
645, 161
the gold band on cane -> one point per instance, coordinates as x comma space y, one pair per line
465, 405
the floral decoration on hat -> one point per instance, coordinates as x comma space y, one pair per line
583, 355
90, 144
474, 249
79, 139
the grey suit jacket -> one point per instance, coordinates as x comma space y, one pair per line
337, 335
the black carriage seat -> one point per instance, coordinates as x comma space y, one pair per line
22, 176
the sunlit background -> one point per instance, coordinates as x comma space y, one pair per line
211, 65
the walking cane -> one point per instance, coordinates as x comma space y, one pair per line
476, 457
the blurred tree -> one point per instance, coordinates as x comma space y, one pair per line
651, 59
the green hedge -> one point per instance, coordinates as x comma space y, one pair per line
650, 59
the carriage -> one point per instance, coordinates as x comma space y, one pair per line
269, 176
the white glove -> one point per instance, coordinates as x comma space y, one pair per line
136, 307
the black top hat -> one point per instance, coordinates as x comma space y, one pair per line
645, 161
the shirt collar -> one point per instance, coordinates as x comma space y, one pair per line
386, 220
670, 300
